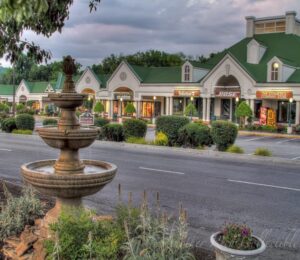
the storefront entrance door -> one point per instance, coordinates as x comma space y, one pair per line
225, 109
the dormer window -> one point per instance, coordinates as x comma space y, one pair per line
275, 71
187, 73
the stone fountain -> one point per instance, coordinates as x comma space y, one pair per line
68, 178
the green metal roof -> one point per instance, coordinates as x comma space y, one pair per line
284, 46
202, 65
37, 87
103, 79
61, 80
6, 89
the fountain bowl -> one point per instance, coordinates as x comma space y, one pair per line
73, 138
41, 176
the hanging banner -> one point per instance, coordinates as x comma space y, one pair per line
271, 119
228, 92
263, 116
274, 94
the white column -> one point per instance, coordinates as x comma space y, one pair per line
231, 110
204, 109
252, 105
208, 110
171, 105
167, 106
110, 114
137, 108
297, 112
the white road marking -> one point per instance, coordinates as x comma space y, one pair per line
7, 150
296, 158
158, 170
284, 141
264, 185
254, 139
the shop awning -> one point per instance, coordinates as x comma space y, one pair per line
274, 94
228, 92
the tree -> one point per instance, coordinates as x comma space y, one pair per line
4, 108
242, 111
99, 108
130, 109
190, 110
43, 17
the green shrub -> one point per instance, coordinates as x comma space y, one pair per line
170, 125
263, 152
130, 109
79, 235
268, 128
18, 212
235, 149
242, 111
161, 139
8, 125
223, 134
136, 140
134, 128
4, 108
25, 121
22, 132
49, 121
282, 129
194, 135
297, 129
190, 110
100, 121
113, 132
99, 107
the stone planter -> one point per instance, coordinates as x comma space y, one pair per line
289, 130
226, 253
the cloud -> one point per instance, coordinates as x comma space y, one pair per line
194, 27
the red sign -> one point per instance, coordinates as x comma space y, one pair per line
263, 116
274, 94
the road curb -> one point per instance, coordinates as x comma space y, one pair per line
204, 153
250, 133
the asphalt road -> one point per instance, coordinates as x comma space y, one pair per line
213, 190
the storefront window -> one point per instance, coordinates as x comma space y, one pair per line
283, 111
257, 106
178, 106
199, 106
147, 109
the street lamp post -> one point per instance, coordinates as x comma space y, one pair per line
290, 115
153, 114
237, 99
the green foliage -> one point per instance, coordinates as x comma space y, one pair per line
30, 103
263, 152
130, 109
22, 132
49, 121
4, 108
235, 149
297, 129
161, 139
101, 121
242, 111
134, 128
88, 103
18, 212
25, 122
8, 125
20, 107
194, 135
99, 107
80, 236
136, 140
157, 238
223, 134
237, 237
170, 125
190, 110
113, 132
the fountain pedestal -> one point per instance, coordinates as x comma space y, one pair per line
68, 178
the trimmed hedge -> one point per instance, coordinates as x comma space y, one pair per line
161, 139
194, 135
22, 132
223, 134
49, 121
25, 121
134, 128
170, 125
100, 121
8, 125
113, 132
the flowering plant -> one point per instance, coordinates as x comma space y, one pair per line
237, 236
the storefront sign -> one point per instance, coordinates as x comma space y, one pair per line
274, 94
271, 119
86, 119
123, 95
186, 93
227, 92
263, 116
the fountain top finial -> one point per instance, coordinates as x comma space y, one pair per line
69, 67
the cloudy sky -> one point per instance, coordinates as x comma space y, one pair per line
193, 27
